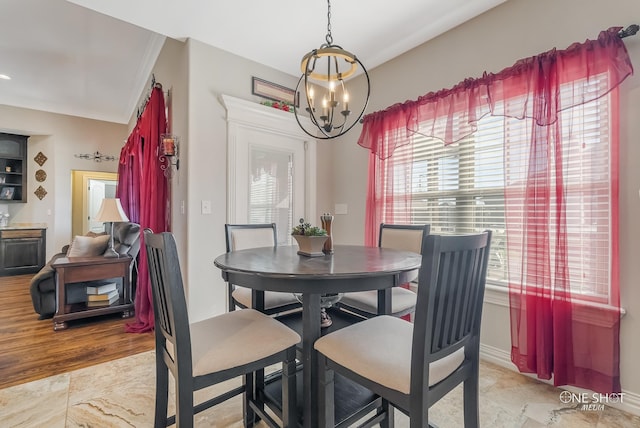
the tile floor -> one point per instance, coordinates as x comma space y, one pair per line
120, 393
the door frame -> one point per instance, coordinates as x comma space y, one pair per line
79, 196
257, 117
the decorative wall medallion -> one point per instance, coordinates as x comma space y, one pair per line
40, 192
40, 158
41, 175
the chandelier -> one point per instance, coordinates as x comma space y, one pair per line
325, 69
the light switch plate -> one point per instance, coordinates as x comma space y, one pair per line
341, 209
206, 207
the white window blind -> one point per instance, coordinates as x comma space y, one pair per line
460, 188
271, 190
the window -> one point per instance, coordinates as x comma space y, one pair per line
271, 190
460, 188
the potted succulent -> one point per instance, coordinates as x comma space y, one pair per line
310, 239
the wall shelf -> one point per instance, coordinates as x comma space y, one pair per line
13, 168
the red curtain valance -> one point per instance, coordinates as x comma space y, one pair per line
451, 114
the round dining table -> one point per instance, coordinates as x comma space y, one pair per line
350, 268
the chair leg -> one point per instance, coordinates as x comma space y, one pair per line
249, 416
289, 399
184, 403
326, 416
471, 391
388, 421
162, 393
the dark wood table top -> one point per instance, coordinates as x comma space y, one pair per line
83, 261
282, 269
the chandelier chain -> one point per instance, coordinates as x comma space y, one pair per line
329, 37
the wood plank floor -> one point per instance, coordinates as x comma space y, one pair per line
30, 349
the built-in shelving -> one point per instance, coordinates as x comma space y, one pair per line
13, 168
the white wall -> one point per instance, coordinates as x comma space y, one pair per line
491, 42
58, 137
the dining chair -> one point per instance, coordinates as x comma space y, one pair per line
214, 350
413, 365
403, 300
244, 236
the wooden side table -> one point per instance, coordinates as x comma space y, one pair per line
82, 269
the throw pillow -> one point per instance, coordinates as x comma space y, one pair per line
93, 234
87, 246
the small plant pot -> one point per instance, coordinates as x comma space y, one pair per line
310, 246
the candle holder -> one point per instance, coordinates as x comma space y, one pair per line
169, 153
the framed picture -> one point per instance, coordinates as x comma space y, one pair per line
274, 92
7, 193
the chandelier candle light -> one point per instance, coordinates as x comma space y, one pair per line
328, 67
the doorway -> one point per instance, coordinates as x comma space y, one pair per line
88, 189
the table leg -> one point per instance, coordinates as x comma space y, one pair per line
310, 333
60, 300
384, 301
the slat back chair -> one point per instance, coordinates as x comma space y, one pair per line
244, 236
214, 350
403, 300
415, 365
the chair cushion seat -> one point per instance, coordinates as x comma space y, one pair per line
237, 338
272, 299
380, 349
402, 300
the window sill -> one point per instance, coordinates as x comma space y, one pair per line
499, 296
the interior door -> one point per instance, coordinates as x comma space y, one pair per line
96, 195
98, 189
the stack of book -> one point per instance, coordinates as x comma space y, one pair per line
102, 295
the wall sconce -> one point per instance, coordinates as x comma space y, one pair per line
169, 153
97, 156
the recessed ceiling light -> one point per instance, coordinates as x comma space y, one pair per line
5, 77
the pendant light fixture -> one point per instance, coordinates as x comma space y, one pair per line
324, 72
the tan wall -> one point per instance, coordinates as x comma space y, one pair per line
170, 70
58, 137
491, 42
212, 72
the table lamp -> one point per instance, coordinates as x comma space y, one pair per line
111, 211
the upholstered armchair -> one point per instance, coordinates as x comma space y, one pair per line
126, 237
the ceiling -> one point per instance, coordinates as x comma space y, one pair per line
92, 58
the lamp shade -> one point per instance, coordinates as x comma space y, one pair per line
111, 211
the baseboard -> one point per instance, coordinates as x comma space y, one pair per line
630, 402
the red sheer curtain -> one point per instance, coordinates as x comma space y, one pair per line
548, 329
143, 190
388, 195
